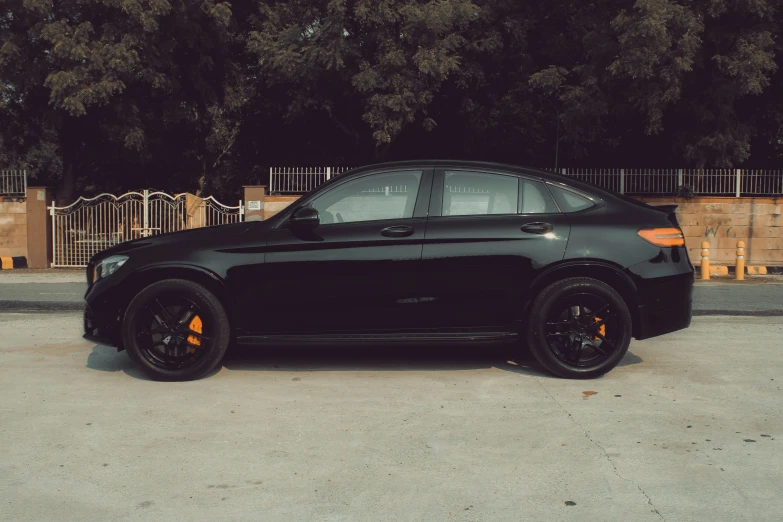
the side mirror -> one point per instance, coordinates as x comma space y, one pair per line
306, 217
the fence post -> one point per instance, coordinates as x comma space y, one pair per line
328, 173
253, 202
622, 181
145, 225
54, 235
739, 182
680, 180
271, 182
38, 247
563, 171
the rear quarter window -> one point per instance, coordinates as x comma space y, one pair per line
569, 201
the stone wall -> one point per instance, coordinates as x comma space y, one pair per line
724, 221
13, 228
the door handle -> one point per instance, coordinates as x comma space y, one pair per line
537, 228
397, 231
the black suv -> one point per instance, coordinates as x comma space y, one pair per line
425, 251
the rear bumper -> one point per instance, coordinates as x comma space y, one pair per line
667, 306
664, 296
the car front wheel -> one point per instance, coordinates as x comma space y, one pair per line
579, 328
175, 330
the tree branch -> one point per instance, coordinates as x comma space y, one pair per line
227, 147
343, 127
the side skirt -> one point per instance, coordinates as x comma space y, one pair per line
385, 338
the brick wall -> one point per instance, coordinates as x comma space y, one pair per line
13, 228
274, 204
724, 221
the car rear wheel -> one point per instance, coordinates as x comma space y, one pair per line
175, 330
579, 328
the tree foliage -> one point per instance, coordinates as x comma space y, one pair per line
202, 95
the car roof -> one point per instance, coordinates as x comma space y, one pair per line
517, 169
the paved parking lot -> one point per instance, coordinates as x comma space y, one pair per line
688, 428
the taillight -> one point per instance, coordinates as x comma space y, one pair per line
663, 237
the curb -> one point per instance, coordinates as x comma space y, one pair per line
749, 270
9, 263
738, 313
758, 270
41, 306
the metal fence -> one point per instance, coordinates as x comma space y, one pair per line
668, 182
13, 182
298, 180
636, 182
89, 225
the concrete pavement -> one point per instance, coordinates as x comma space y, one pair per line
689, 427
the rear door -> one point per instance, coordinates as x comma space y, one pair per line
487, 234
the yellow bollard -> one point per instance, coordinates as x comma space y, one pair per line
705, 261
740, 271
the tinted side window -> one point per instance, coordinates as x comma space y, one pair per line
570, 201
391, 195
534, 198
473, 193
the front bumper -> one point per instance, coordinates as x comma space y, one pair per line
98, 331
102, 313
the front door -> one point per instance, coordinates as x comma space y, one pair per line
358, 270
487, 235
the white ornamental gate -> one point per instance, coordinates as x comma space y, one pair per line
89, 225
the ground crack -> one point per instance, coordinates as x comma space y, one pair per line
606, 455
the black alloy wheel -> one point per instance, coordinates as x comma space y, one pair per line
174, 337
175, 330
579, 328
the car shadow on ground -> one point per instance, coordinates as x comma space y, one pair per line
108, 359
354, 358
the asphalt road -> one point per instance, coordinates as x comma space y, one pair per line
710, 298
688, 427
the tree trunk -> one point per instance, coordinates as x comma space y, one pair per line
382, 151
66, 187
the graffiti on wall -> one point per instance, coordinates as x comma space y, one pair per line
714, 231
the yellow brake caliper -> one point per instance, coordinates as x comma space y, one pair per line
195, 326
601, 330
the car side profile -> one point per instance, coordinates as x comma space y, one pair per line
418, 251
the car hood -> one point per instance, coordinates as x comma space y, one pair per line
197, 237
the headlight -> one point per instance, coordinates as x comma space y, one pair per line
108, 266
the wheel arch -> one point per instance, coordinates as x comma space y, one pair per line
612, 275
141, 279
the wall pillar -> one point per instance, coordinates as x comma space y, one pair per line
39, 227
254, 196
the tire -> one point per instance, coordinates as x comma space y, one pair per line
567, 315
164, 341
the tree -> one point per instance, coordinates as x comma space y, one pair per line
372, 67
698, 64
110, 95
116, 86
